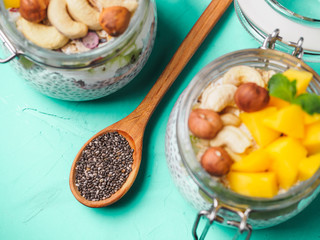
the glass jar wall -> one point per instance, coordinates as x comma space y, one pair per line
83, 76
196, 185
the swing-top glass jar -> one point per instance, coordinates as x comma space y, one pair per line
86, 75
216, 202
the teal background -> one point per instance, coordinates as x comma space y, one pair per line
40, 137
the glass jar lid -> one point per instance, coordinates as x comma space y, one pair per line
262, 17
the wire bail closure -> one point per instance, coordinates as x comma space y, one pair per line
270, 41
6, 42
211, 216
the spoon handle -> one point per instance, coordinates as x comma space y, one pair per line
188, 47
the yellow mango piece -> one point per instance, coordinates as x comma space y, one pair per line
310, 119
309, 166
11, 3
312, 138
262, 184
277, 102
288, 120
256, 161
286, 154
262, 134
303, 79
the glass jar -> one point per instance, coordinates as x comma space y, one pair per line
214, 201
261, 17
83, 76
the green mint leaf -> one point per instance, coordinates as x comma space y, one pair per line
309, 102
281, 87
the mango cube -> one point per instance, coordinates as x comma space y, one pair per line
277, 102
11, 3
256, 161
303, 79
312, 138
262, 184
309, 166
262, 134
310, 119
288, 120
286, 154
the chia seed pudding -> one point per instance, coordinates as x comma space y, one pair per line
104, 166
85, 68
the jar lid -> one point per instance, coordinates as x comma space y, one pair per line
262, 17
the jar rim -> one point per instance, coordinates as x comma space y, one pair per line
205, 182
78, 60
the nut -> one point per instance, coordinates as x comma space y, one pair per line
59, 17
42, 35
204, 123
217, 97
216, 161
233, 138
34, 10
82, 11
131, 5
115, 20
250, 97
243, 74
230, 119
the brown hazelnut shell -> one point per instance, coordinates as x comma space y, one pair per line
250, 97
115, 20
34, 10
216, 161
204, 123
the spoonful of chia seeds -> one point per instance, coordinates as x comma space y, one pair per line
108, 163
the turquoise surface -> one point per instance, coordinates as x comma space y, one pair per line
40, 137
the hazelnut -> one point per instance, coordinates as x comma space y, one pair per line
216, 161
34, 10
250, 97
115, 20
204, 123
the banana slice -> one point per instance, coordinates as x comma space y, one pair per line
42, 35
59, 17
131, 5
81, 11
243, 74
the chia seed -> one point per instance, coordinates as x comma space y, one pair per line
104, 166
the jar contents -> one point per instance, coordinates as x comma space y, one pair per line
257, 131
104, 166
72, 26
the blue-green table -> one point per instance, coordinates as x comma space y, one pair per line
40, 137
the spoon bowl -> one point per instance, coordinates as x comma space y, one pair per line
132, 127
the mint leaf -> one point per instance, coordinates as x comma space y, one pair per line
281, 87
309, 102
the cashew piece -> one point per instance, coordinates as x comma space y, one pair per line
232, 138
131, 5
59, 17
81, 11
230, 119
266, 75
44, 36
234, 156
217, 97
243, 74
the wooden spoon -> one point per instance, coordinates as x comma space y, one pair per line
132, 127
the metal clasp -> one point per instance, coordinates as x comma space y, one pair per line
6, 42
270, 41
211, 216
